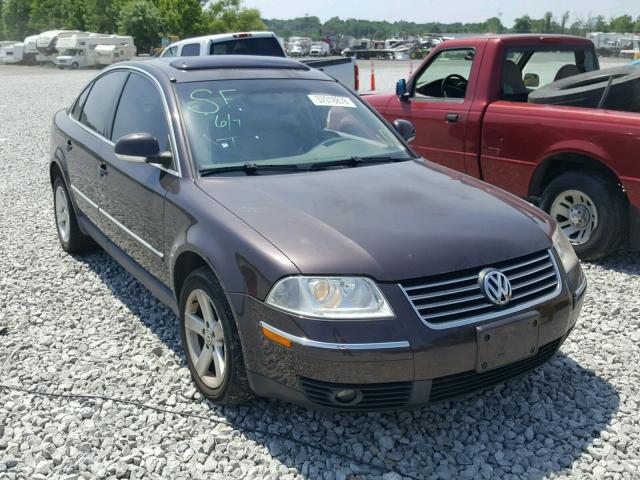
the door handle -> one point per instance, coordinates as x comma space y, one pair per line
69, 145
102, 169
452, 117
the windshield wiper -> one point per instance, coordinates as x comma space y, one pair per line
248, 168
354, 162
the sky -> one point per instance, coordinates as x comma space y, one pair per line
421, 11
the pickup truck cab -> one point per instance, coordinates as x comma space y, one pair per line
468, 102
345, 70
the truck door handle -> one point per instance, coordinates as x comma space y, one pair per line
69, 145
452, 117
102, 169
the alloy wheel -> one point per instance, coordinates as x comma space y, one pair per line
62, 214
205, 339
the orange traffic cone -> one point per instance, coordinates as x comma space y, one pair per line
373, 78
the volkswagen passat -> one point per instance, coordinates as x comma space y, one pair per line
308, 253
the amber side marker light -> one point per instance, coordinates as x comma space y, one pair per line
275, 337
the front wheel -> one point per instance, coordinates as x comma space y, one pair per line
590, 209
211, 342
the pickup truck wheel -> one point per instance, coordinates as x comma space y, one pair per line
211, 342
74, 66
590, 209
71, 238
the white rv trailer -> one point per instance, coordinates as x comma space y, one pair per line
47, 41
81, 50
11, 52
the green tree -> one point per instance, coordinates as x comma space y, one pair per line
47, 15
102, 15
494, 25
622, 24
548, 22
522, 24
75, 12
230, 16
15, 19
182, 17
142, 20
600, 24
564, 21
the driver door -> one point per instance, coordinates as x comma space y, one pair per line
439, 109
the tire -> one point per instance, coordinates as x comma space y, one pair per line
598, 225
586, 90
71, 238
74, 66
211, 336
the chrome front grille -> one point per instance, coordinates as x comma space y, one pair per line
457, 297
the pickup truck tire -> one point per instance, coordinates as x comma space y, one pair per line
590, 209
211, 342
71, 238
586, 90
74, 66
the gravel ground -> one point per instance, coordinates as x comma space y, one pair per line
87, 342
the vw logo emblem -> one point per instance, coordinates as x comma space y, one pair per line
495, 286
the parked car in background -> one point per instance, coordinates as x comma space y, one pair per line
309, 254
345, 70
468, 101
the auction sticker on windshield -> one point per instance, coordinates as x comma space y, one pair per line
331, 101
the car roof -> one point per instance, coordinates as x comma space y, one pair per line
223, 67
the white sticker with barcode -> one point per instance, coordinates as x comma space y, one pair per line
331, 101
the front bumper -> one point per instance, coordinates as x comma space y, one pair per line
392, 364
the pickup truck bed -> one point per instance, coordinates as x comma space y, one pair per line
468, 101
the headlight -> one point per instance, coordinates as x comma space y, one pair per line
330, 297
565, 250
568, 258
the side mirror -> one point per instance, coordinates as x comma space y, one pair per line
401, 88
141, 148
531, 80
406, 129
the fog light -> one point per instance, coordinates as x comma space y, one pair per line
348, 396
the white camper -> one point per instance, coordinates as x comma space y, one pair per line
11, 52
319, 49
88, 50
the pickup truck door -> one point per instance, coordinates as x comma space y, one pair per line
440, 97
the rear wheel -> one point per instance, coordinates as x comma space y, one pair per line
211, 342
590, 209
71, 238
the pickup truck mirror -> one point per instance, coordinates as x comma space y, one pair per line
141, 148
406, 129
531, 80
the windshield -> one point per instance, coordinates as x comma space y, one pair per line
281, 122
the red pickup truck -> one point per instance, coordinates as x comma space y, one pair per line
468, 102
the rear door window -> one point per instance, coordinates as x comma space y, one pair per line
141, 110
268, 46
190, 50
97, 113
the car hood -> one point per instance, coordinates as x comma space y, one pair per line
389, 221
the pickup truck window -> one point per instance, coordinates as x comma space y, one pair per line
525, 70
447, 75
190, 50
170, 52
268, 46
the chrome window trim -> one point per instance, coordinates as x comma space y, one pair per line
126, 230
305, 342
492, 315
165, 104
